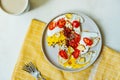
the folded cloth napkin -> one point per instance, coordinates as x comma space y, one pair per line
106, 67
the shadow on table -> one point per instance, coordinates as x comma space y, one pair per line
37, 3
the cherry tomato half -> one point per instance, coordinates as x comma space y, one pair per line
52, 25
76, 53
77, 37
63, 54
61, 23
76, 24
73, 44
88, 41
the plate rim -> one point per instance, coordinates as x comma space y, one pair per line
79, 69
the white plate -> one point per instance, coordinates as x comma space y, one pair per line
52, 53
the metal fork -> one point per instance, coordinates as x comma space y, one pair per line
30, 68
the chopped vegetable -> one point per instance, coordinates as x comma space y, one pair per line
76, 24
63, 54
61, 23
88, 41
52, 25
76, 53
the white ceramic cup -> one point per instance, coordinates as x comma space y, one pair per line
15, 7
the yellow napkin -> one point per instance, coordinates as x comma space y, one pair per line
31, 52
107, 66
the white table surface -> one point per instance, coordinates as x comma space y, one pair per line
13, 29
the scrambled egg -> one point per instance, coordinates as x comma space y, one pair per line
71, 63
57, 38
69, 16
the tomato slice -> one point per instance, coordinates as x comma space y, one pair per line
52, 25
76, 53
77, 37
88, 41
63, 54
76, 24
61, 23
73, 44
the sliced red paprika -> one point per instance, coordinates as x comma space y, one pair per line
88, 41
63, 54
52, 25
76, 53
61, 23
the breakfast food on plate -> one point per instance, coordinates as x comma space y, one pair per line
74, 44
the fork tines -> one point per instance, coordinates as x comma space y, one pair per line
29, 67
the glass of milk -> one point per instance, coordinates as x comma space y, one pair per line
15, 7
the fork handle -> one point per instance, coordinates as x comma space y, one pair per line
40, 78
37, 78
